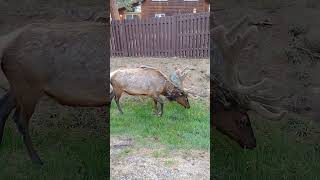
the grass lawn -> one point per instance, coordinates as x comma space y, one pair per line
177, 128
285, 151
69, 148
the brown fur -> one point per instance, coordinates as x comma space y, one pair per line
235, 124
64, 61
146, 81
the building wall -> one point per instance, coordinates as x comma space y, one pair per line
149, 8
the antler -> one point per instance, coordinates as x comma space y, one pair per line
230, 52
179, 76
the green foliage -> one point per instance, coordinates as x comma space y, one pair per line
126, 3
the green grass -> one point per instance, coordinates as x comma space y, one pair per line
177, 128
69, 151
280, 155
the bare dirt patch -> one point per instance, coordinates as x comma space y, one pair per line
132, 161
198, 76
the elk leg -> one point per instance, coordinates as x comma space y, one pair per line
155, 106
22, 117
159, 100
117, 98
7, 104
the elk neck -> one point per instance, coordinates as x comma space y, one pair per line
170, 91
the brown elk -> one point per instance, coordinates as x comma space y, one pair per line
232, 100
64, 61
147, 81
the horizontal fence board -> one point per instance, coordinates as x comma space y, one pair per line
183, 35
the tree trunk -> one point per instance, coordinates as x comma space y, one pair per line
114, 10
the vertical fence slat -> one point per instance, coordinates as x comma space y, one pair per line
134, 38
207, 31
148, 37
199, 31
158, 36
174, 36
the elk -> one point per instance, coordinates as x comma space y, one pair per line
64, 61
147, 81
231, 99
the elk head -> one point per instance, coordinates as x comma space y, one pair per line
179, 95
177, 77
234, 123
233, 99
183, 99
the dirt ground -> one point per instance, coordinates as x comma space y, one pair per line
132, 161
198, 77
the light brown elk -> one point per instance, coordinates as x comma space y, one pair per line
64, 61
147, 81
232, 100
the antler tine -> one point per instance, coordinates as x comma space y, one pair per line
262, 110
242, 40
184, 73
237, 26
190, 92
184, 69
265, 100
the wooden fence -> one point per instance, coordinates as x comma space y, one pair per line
185, 35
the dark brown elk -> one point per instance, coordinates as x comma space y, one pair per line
147, 81
232, 100
64, 61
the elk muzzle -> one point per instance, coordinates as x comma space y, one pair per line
236, 125
183, 101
